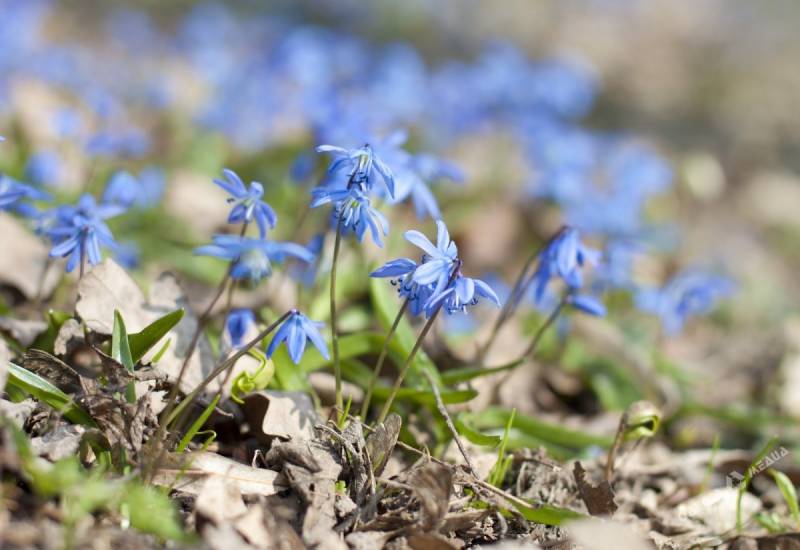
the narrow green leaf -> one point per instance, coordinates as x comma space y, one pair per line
465, 374
496, 417
474, 436
748, 476
121, 352
141, 342
789, 493
197, 424
151, 511
46, 392
548, 515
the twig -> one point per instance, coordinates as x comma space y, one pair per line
443, 411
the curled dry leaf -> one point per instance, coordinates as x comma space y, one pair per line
287, 415
432, 485
599, 499
381, 442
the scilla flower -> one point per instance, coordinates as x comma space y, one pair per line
10, 193
248, 205
238, 323
252, 258
78, 231
685, 295
353, 210
295, 331
564, 258
356, 168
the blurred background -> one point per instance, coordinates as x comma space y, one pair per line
666, 131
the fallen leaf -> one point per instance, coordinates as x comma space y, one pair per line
22, 330
108, 287
188, 474
717, 508
5, 357
219, 502
58, 443
602, 534
287, 415
432, 485
599, 499
24, 259
381, 442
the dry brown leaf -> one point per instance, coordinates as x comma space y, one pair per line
188, 473
219, 502
599, 499
24, 260
288, 415
432, 485
381, 442
23, 331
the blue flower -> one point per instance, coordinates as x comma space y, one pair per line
43, 168
248, 205
563, 257
587, 304
10, 192
438, 261
121, 189
462, 292
252, 258
79, 231
237, 324
401, 271
13, 192
127, 254
353, 210
295, 331
306, 274
687, 294
357, 168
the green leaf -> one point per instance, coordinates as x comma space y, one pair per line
121, 352
748, 476
423, 397
548, 515
151, 511
197, 424
142, 341
465, 374
789, 493
474, 436
550, 434
46, 392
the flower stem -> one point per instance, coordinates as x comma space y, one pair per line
418, 344
226, 364
404, 370
337, 368
543, 328
381, 358
521, 285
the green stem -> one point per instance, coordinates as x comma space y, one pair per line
521, 285
404, 370
418, 344
337, 368
381, 358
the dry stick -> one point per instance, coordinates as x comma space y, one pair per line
381, 358
337, 368
443, 411
417, 345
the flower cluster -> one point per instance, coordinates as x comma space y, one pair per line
436, 282
351, 176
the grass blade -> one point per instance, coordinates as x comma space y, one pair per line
141, 342
46, 392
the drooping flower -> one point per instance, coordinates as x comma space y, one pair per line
353, 210
356, 168
295, 330
463, 292
78, 231
128, 191
687, 294
564, 258
252, 258
248, 205
438, 261
237, 325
